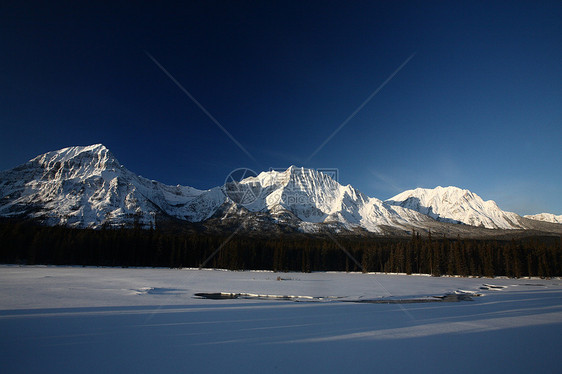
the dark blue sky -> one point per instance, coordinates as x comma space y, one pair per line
479, 106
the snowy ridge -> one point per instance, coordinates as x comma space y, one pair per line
455, 205
314, 197
88, 187
546, 217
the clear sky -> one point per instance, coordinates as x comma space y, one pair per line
478, 106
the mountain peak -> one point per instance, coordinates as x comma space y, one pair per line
76, 162
296, 175
444, 190
303, 172
546, 217
94, 147
72, 152
299, 170
453, 204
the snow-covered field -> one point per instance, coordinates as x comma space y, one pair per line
101, 320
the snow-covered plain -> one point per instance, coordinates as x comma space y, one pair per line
101, 320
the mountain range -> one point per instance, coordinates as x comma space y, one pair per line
87, 187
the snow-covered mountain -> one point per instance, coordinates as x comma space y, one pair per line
455, 205
88, 187
546, 217
313, 198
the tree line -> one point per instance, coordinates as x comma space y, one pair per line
24, 243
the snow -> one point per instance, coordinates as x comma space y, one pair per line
88, 187
452, 204
74, 319
546, 217
315, 197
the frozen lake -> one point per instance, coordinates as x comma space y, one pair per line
94, 320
